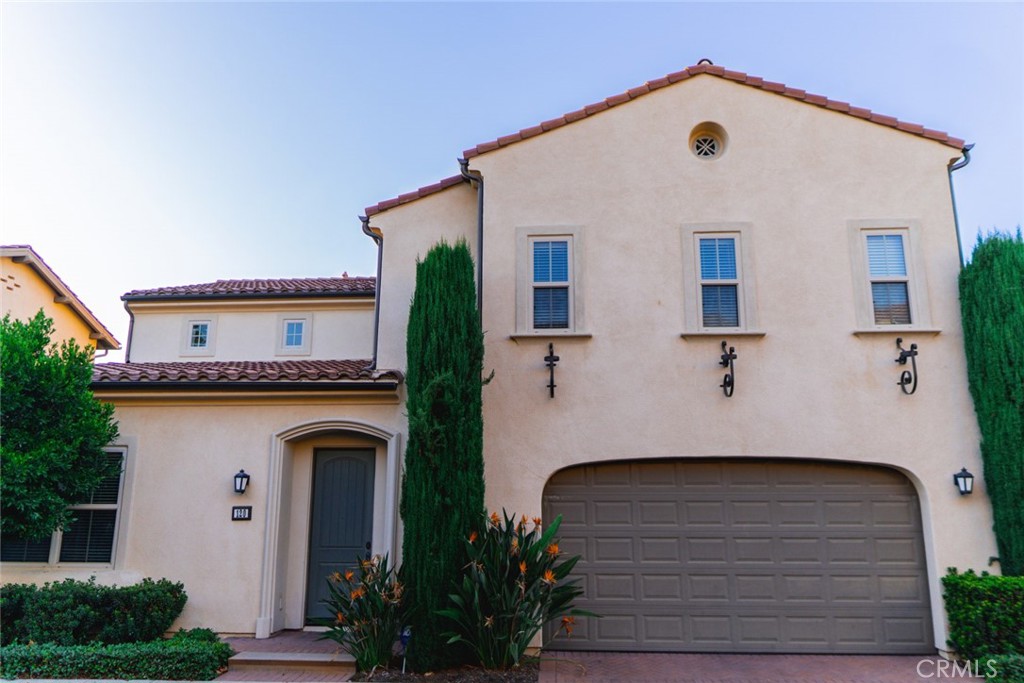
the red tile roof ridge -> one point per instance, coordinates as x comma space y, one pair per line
649, 87
241, 371
307, 286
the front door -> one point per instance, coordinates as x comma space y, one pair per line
341, 526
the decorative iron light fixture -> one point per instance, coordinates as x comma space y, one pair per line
908, 378
550, 361
729, 381
964, 481
241, 481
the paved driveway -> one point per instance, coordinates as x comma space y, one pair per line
605, 667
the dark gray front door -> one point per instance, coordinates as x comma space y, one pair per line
341, 526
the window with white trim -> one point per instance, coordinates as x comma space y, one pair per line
548, 300
90, 539
293, 334
887, 273
719, 286
551, 285
199, 334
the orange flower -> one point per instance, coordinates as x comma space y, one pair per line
340, 619
472, 537
335, 577
553, 549
549, 576
514, 550
495, 520
536, 521
357, 593
567, 624
349, 574
522, 567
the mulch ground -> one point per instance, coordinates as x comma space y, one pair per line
529, 672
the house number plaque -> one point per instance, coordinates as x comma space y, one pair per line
241, 513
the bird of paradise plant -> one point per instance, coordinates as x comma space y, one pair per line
516, 581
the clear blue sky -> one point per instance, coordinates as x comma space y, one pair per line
149, 144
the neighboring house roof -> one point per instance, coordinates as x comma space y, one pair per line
324, 374
269, 288
23, 253
651, 86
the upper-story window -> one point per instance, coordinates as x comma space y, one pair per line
548, 298
887, 271
199, 335
552, 289
719, 280
293, 336
90, 538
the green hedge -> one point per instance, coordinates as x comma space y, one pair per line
187, 656
986, 614
80, 612
1008, 668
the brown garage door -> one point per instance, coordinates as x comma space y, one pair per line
744, 556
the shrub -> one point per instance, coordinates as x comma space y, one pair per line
178, 659
80, 612
992, 305
1007, 668
368, 612
513, 585
986, 614
443, 485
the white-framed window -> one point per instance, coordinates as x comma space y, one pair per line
548, 300
198, 336
718, 293
888, 276
91, 538
887, 273
293, 336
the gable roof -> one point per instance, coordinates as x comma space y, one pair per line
323, 374
649, 87
261, 289
25, 254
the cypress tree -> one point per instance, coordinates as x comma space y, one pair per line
992, 305
443, 484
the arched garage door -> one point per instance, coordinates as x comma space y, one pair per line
744, 556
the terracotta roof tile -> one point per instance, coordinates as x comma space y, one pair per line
242, 372
675, 77
299, 287
416, 194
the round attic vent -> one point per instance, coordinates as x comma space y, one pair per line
708, 140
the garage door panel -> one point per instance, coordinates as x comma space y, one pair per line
744, 556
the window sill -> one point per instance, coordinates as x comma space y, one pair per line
896, 329
723, 333
549, 334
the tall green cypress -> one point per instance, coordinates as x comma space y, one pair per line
992, 305
443, 484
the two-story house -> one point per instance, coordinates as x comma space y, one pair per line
693, 295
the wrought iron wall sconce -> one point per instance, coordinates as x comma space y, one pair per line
550, 361
729, 381
964, 481
241, 481
908, 378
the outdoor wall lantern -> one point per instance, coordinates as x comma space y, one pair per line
908, 378
964, 481
551, 360
241, 481
729, 381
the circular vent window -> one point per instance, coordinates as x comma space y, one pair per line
707, 140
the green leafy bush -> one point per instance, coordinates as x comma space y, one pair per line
513, 585
181, 658
80, 612
368, 612
986, 614
1008, 668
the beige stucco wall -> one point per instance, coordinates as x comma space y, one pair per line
176, 520
803, 180
251, 330
23, 293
